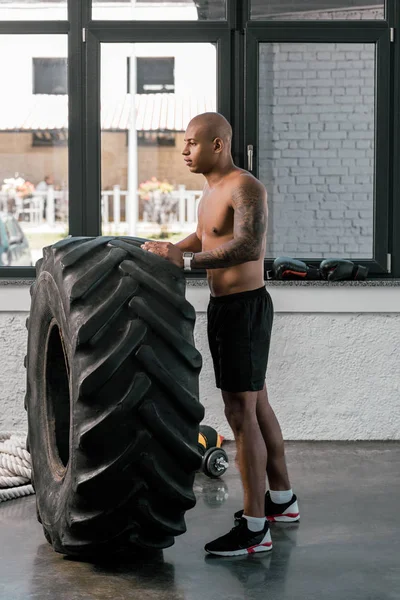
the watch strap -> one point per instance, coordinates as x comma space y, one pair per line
187, 260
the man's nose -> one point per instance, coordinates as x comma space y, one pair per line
185, 151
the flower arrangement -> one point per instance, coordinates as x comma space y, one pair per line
154, 185
17, 187
157, 204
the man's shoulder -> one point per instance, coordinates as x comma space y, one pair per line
244, 182
241, 177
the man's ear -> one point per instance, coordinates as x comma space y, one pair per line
218, 145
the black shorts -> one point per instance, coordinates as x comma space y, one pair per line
239, 333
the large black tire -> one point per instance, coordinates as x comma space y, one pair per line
112, 396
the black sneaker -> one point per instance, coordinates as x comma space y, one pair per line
278, 513
240, 540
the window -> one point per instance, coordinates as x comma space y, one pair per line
32, 10
159, 10
311, 88
50, 76
156, 138
318, 10
146, 188
154, 75
48, 139
34, 160
317, 147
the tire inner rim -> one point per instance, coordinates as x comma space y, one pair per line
57, 400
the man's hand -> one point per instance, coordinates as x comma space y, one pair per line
165, 250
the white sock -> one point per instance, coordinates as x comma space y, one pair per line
281, 497
255, 523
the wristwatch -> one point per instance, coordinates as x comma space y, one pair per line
187, 260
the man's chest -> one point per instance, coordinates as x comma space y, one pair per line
215, 215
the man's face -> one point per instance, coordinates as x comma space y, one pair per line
199, 151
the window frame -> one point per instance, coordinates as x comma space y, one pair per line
141, 31
236, 40
324, 32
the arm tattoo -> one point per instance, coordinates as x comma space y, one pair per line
249, 230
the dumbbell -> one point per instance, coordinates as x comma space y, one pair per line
214, 459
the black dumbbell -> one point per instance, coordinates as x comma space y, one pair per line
215, 460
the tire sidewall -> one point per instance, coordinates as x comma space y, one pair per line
51, 483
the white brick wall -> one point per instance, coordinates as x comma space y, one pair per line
339, 380
342, 15
316, 147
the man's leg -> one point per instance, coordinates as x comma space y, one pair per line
251, 534
241, 413
271, 432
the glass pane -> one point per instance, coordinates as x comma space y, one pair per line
33, 146
33, 10
159, 10
147, 189
317, 10
316, 148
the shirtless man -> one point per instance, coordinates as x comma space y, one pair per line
230, 244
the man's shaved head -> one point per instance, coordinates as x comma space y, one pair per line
212, 125
208, 140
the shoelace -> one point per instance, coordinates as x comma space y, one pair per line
241, 525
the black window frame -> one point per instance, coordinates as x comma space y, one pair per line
141, 31
329, 33
385, 263
236, 40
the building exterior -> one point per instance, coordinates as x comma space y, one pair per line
34, 112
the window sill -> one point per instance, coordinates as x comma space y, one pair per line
373, 296
327, 284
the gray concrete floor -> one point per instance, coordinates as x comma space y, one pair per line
345, 548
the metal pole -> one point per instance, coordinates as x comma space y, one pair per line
117, 207
132, 204
105, 212
50, 207
182, 205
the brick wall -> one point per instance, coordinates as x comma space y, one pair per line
316, 147
18, 155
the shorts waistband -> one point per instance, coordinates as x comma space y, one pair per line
258, 293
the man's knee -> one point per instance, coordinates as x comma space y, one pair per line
239, 408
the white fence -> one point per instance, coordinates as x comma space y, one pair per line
38, 206
178, 207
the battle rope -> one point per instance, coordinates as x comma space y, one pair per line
15, 467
